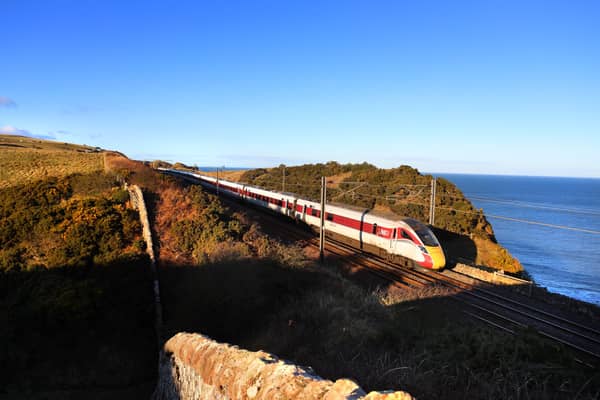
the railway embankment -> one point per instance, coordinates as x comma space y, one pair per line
193, 366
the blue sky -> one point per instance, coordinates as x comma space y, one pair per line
502, 87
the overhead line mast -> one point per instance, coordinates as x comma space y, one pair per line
322, 224
432, 203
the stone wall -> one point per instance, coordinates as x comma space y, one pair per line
137, 199
193, 366
489, 275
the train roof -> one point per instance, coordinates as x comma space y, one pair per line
376, 213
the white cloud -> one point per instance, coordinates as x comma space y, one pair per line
7, 102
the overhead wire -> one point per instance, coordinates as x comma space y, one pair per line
571, 228
518, 203
534, 205
508, 202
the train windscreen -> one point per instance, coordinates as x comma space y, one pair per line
423, 231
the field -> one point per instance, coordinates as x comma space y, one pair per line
24, 159
233, 176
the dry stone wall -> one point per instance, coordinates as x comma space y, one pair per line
193, 366
137, 199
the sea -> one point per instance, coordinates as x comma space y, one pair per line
551, 225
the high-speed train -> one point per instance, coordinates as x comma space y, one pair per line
404, 240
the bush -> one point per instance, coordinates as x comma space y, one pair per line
44, 223
120, 196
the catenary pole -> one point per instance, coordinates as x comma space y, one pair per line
434, 196
322, 225
432, 202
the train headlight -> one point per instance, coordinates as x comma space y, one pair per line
423, 249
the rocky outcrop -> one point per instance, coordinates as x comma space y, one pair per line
193, 366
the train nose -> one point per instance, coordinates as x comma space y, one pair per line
437, 255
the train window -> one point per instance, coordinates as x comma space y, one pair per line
329, 217
314, 212
423, 232
374, 229
406, 235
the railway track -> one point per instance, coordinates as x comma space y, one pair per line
508, 313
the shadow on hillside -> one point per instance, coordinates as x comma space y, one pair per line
457, 247
85, 331
229, 301
422, 342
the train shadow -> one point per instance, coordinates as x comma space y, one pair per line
457, 247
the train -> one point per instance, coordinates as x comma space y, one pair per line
400, 239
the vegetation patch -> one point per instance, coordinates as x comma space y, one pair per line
75, 289
52, 223
195, 229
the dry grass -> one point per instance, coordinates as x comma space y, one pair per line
233, 176
170, 207
25, 160
114, 162
392, 297
335, 180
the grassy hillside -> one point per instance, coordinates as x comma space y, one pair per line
464, 231
24, 159
75, 285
